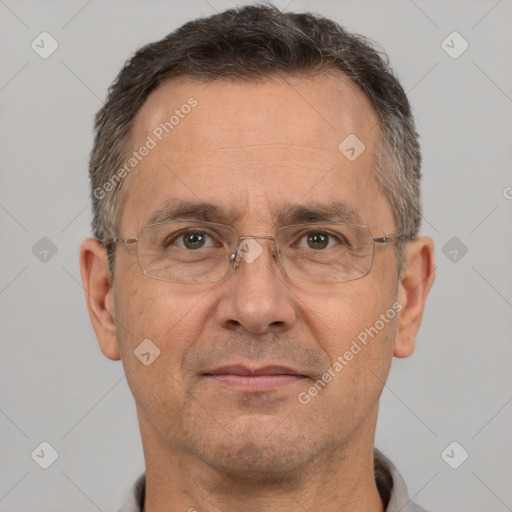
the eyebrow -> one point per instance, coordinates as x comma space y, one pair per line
283, 214
336, 211
185, 210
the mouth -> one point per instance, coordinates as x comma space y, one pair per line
266, 378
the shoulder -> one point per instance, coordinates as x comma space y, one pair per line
392, 486
134, 497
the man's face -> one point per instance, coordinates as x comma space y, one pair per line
254, 150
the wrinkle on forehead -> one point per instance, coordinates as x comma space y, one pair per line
271, 156
311, 149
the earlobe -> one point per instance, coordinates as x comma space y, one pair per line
99, 296
415, 282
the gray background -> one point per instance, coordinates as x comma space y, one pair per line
57, 387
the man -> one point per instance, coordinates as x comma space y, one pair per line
256, 266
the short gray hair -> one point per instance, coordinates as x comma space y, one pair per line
248, 43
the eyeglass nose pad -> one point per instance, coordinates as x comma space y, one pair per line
235, 257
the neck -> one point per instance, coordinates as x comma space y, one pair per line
339, 479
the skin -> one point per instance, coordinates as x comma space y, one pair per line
251, 148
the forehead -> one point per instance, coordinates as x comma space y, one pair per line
251, 146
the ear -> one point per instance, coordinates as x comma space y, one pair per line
416, 280
99, 296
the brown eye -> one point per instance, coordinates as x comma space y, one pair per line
194, 240
318, 240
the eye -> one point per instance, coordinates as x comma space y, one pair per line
318, 240
321, 239
192, 240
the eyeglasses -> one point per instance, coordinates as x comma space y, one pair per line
185, 251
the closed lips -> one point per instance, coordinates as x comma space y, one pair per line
248, 372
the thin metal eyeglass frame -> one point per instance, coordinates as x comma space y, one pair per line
235, 257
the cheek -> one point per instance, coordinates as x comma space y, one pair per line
339, 315
355, 327
157, 325
171, 316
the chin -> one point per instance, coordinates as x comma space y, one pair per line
257, 462
259, 449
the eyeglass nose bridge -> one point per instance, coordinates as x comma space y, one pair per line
236, 255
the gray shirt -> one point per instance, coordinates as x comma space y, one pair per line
389, 482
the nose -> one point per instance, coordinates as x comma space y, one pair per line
256, 296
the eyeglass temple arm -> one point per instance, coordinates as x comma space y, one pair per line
120, 241
388, 239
